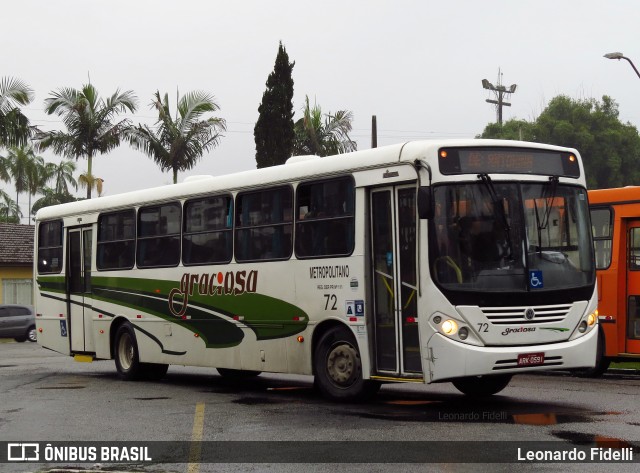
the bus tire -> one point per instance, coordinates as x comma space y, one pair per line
154, 371
126, 354
237, 374
481, 386
338, 368
602, 362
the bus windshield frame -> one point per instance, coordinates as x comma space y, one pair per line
509, 242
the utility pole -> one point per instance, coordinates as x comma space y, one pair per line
500, 92
374, 132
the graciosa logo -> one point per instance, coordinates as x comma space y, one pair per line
231, 283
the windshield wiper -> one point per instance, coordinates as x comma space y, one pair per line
499, 209
554, 188
544, 223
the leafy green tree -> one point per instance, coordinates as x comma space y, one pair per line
513, 129
50, 197
323, 134
177, 144
274, 131
610, 149
90, 123
14, 126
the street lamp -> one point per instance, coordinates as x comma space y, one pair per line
619, 56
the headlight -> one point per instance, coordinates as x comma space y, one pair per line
450, 327
463, 333
592, 318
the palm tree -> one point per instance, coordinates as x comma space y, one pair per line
9, 210
21, 161
4, 170
323, 134
62, 175
89, 181
177, 143
90, 123
14, 126
38, 174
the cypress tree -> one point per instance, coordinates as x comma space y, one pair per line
274, 132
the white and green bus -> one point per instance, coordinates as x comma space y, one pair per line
466, 261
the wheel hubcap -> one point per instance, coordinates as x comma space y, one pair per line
125, 352
342, 365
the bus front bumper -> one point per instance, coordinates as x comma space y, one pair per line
448, 359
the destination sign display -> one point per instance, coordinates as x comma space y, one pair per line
507, 161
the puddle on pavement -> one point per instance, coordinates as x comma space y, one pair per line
436, 410
257, 401
61, 387
151, 398
407, 408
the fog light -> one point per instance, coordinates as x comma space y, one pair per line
450, 327
437, 319
463, 333
592, 318
582, 327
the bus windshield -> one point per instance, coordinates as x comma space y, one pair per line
502, 236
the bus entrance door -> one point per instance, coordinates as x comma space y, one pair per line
393, 231
633, 288
79, 241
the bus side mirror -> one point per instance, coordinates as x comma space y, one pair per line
425, 202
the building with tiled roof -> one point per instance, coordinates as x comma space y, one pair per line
16, 263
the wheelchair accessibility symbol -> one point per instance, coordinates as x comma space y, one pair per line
535, 279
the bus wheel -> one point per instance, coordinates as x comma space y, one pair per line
602, 362
237, 374
154, 371
338, 368
126, 354
480, 386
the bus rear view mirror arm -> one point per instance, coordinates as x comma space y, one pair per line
425, 202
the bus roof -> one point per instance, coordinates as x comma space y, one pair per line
298, 169
616, 195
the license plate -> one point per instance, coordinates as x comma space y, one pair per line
530, 359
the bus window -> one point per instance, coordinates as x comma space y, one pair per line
601, 224
208, 236
116, 240
158, 236
634, 317
50, 247
325, 224
264, 228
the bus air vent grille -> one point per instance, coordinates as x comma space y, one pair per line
529, 315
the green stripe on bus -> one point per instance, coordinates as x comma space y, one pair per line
268, 317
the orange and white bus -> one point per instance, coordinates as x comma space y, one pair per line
615, 217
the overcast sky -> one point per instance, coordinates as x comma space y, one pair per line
415, 64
